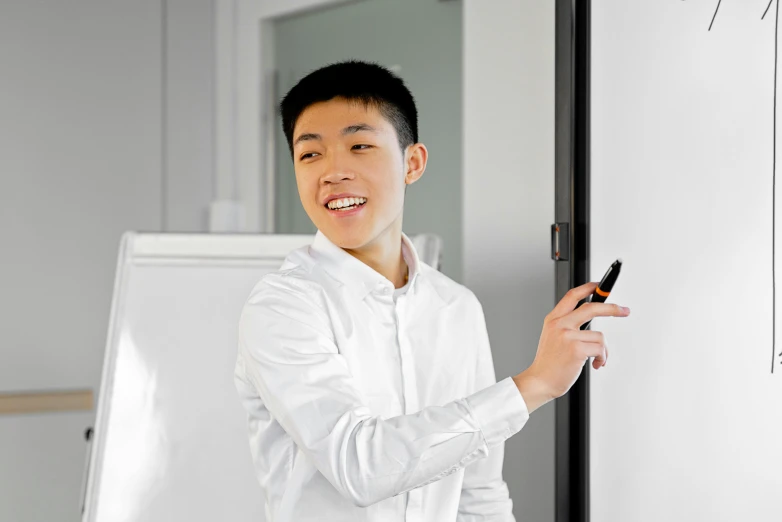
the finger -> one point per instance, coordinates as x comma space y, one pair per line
591, 310
596, 364
569, 301
594, 350
587, 336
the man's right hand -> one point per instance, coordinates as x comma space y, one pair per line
564, 347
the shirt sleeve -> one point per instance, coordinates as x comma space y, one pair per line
291, 359
485, 496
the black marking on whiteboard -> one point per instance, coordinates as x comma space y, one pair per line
774, 197
719, 2
715, 14
767, 8
773, 183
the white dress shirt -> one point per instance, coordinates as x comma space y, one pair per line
368, 405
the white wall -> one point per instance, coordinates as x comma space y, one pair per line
509, 207
105, 125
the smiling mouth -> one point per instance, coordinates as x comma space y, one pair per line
345, 204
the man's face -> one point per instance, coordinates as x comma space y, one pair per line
344, 150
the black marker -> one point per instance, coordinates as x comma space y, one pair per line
603, 289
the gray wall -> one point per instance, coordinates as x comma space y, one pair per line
424, 37
105, 127
189, 122
508, 209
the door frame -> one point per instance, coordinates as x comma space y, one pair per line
572, 197
245, 104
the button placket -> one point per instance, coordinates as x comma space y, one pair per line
414, 511
406, 356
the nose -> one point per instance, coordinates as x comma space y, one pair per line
335, 172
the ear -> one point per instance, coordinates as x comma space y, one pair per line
415, 160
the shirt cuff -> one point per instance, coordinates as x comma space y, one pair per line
500, 411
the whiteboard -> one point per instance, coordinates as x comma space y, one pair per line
171, 440
171, 436
686, 418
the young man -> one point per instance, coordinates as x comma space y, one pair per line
366, 374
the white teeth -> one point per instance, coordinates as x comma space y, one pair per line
345, 202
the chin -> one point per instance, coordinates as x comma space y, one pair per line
348, 240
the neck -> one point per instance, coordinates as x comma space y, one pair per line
384, 256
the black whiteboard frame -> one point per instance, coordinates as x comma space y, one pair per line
572, 197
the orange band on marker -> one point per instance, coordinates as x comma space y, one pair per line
601, 292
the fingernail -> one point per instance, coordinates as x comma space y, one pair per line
627, 310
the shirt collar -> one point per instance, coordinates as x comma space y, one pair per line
358, 276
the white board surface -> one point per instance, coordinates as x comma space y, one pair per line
686, 418
171, 438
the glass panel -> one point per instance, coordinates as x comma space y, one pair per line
426, 51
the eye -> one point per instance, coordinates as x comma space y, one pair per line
361, 147
307, 155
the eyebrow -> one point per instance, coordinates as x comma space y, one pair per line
351, 129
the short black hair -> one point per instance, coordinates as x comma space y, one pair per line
365, 82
